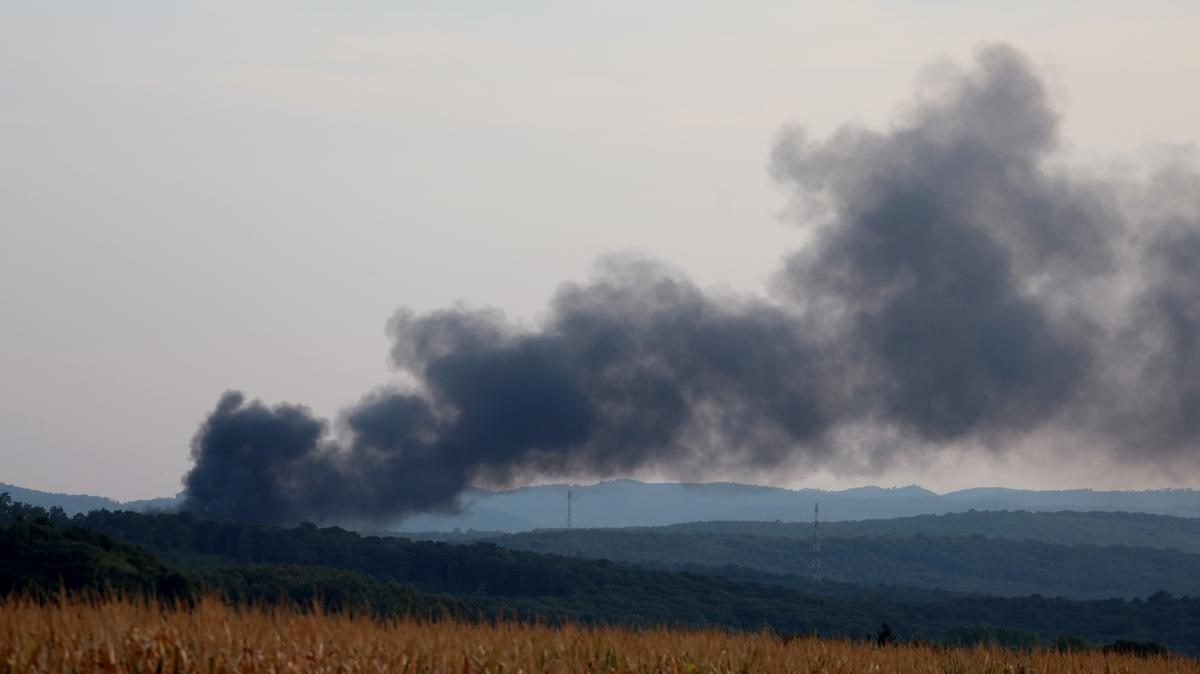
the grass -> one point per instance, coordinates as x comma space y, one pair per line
117, 635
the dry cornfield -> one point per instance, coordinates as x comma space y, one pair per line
130, 636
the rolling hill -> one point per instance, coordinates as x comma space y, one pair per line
628, 503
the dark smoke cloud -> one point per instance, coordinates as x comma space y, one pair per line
1154, 374
956, 291
637, 368
947, 246
279, 464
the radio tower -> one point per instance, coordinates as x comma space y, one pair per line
816, 560
568, 507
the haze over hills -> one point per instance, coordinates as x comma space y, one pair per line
73, 504
625, 503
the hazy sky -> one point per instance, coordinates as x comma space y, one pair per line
198, 197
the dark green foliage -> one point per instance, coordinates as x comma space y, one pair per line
331, 589
35, 556
44, 552
964, 564
14, 511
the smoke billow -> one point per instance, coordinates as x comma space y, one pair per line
956, 290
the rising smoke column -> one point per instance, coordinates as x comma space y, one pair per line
956, 291
952, 261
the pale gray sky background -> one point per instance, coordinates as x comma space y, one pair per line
203, 196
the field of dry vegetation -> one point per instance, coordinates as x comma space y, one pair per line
126, 636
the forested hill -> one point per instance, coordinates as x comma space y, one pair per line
1071, 554
494, 579
1064, 527
966, 564
71, 504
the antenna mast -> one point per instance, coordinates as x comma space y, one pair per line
816, 560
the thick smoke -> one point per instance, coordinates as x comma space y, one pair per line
956, 291
952, 258
637, 368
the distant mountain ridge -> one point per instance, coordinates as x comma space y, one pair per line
630, 503
626, 503
1177, 502
74, 504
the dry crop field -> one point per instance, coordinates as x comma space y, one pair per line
125, 636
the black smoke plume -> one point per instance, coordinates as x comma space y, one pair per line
956, 290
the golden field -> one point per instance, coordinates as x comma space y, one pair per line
129, 636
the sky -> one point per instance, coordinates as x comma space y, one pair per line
197, 197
